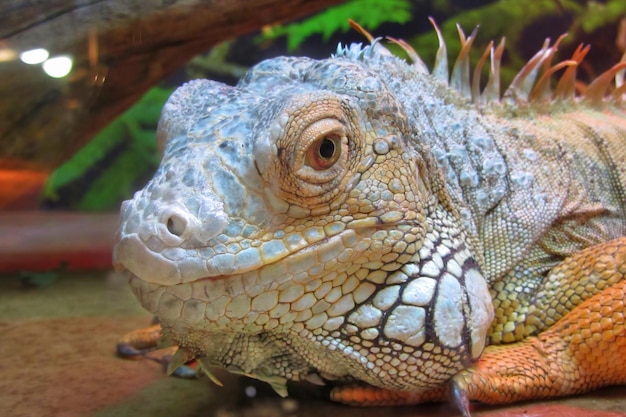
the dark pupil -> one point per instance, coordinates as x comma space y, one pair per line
327, 149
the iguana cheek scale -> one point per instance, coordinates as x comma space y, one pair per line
362, 222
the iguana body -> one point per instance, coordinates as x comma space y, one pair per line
359, 220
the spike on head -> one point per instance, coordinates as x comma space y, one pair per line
597, 89
440, 69
492, 89
531, 84
460, 78
415, 58
522, 84
542, 90
354, 25
566, 87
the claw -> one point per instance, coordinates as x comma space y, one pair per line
185, 372
279, 385
127, 350
205, 368
315, 379
460, 398
212, 377
175, 361
277, 382
175, 365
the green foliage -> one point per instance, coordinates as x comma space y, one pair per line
369, 13
598, 14
108, 168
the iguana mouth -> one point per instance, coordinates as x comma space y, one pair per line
174, 266
288, 276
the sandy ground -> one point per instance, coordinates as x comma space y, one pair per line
57, 360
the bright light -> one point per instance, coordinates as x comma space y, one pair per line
34, 56
58, 67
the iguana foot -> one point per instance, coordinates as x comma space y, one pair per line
585, 350
139, 341
144, 343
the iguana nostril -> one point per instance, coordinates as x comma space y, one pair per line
176, 225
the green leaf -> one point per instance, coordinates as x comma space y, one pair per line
369, 13
117, 160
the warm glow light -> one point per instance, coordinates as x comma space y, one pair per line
34, 56
7, 54
58, 67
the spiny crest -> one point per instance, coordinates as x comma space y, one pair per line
531, 84
359, 52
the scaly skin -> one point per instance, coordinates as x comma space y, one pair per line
357, 220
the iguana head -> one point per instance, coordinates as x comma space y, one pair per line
297, 225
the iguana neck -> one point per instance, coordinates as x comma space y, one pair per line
492, 164
465, 146
514, 177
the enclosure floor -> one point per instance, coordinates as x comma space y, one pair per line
57, 359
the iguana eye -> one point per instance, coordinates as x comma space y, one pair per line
323, 152
320, 153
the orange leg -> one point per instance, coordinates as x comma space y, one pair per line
583, 351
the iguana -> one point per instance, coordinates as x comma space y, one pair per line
396, 233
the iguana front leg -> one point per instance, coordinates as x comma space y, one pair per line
583, 350
144, 343
581, 306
